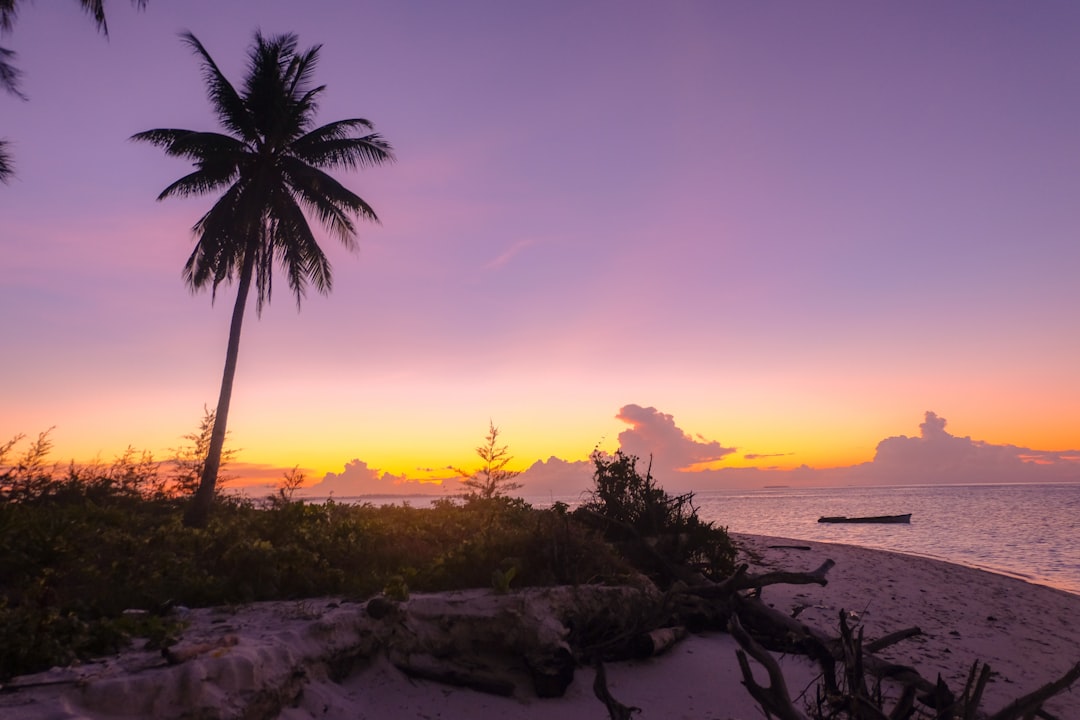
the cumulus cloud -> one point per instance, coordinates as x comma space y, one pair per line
933, 456
937, 456
654, 433
556, 477
359, 479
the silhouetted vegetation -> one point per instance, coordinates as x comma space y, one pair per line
656, 531
491, 479
80, 545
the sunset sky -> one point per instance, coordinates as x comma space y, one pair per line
788, 230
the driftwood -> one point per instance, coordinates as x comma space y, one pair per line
891, 639
974, 689
657, 641
742, 580
774, 699
616, 710
856, 699
451, 673
1031, 703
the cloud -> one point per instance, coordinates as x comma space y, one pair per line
655, 433
760, 456
506, 255
936, 456
359, 479
556, 477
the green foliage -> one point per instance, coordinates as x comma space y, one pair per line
633, 504
491, 479
80, 546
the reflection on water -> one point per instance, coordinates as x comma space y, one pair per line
1031, 531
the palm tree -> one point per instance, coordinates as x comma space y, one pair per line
269, 169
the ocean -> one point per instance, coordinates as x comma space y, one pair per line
1025, 530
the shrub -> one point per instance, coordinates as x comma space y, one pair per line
631, 506
86, 548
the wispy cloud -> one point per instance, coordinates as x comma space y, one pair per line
507, 255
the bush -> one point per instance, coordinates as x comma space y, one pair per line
631, 506
78, 550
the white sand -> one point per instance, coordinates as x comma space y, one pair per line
1034, 636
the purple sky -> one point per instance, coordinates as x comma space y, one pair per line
792, 227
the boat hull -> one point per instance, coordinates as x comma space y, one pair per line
881, 519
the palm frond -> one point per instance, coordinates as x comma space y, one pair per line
199, 182
9, 74
193, 145
327, 199
229, 106
9, 9
7, 166
277, 89
297, 251
344, 152
218, 236
96, 10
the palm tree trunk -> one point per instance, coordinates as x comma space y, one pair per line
198, 512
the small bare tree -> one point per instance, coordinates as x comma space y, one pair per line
491, 479
188, 461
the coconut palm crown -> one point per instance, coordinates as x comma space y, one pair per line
269, 168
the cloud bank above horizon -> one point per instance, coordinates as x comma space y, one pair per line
681, 462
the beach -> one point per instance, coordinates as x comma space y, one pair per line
276, 659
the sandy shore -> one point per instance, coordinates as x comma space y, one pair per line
1028, 634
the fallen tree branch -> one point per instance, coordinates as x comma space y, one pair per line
742, 580
657, 641
425, 667
891, 639
1031, 703
616, 710
973, 690
775, 698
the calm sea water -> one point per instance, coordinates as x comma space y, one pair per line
1030, 531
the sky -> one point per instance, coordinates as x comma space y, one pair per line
755, 240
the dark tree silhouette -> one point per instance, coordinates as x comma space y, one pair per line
269, 170
491, 479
